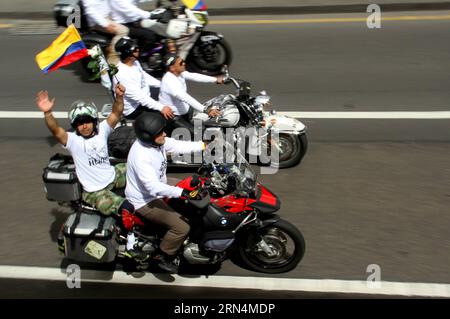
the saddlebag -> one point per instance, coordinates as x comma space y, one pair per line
61, 182
90, 238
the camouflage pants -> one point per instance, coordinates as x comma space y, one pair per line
105, 200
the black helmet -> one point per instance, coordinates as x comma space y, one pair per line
147, 126
169, 59
126, 46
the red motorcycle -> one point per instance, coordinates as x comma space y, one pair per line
231, 215
234, 215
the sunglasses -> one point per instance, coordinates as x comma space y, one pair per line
84, 120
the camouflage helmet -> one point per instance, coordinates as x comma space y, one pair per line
81, 111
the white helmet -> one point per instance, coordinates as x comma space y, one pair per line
82, 111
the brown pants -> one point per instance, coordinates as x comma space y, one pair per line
158, 212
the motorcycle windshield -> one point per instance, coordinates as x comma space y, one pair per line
233, 163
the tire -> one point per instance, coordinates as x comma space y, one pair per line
298, 145
293, 149
209, 59
276, 236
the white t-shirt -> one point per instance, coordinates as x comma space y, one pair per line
137, 83
127, 11
146, 171
97, 12
91, 158
173, 91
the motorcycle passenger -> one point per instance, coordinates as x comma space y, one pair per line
126, 12
98, 17
137, 98
173, 91
147, 183
88, 147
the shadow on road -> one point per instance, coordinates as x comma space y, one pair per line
60, 217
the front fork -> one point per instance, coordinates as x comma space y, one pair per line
264, 247
261, 245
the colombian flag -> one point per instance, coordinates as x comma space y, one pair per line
195, 4
66, 49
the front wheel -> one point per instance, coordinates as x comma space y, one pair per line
274, 249
209, 57
291, 150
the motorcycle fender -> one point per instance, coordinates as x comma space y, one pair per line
272, 220
284, 124
210, 37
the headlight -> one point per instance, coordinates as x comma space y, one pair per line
201, 17
263, 101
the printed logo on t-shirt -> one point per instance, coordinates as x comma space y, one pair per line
162, 169
97, 154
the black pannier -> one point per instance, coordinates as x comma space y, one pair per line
90, 238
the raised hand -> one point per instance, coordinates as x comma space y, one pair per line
43, 101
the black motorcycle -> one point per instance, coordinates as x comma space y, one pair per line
204, 51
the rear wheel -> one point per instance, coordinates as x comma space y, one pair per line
274, 249
209, 58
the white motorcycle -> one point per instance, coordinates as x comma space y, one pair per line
248, 122
272, 132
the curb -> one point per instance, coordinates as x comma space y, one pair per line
351, 8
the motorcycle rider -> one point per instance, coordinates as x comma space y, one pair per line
147, 183
173, 91
137, 97
126, 12
98, 17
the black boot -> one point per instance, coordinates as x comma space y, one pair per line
167, 262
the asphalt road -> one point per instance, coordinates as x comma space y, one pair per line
368, 191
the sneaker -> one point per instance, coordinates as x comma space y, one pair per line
166, 264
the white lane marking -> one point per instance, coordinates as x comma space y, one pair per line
29, 115
234, 282
433, 115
